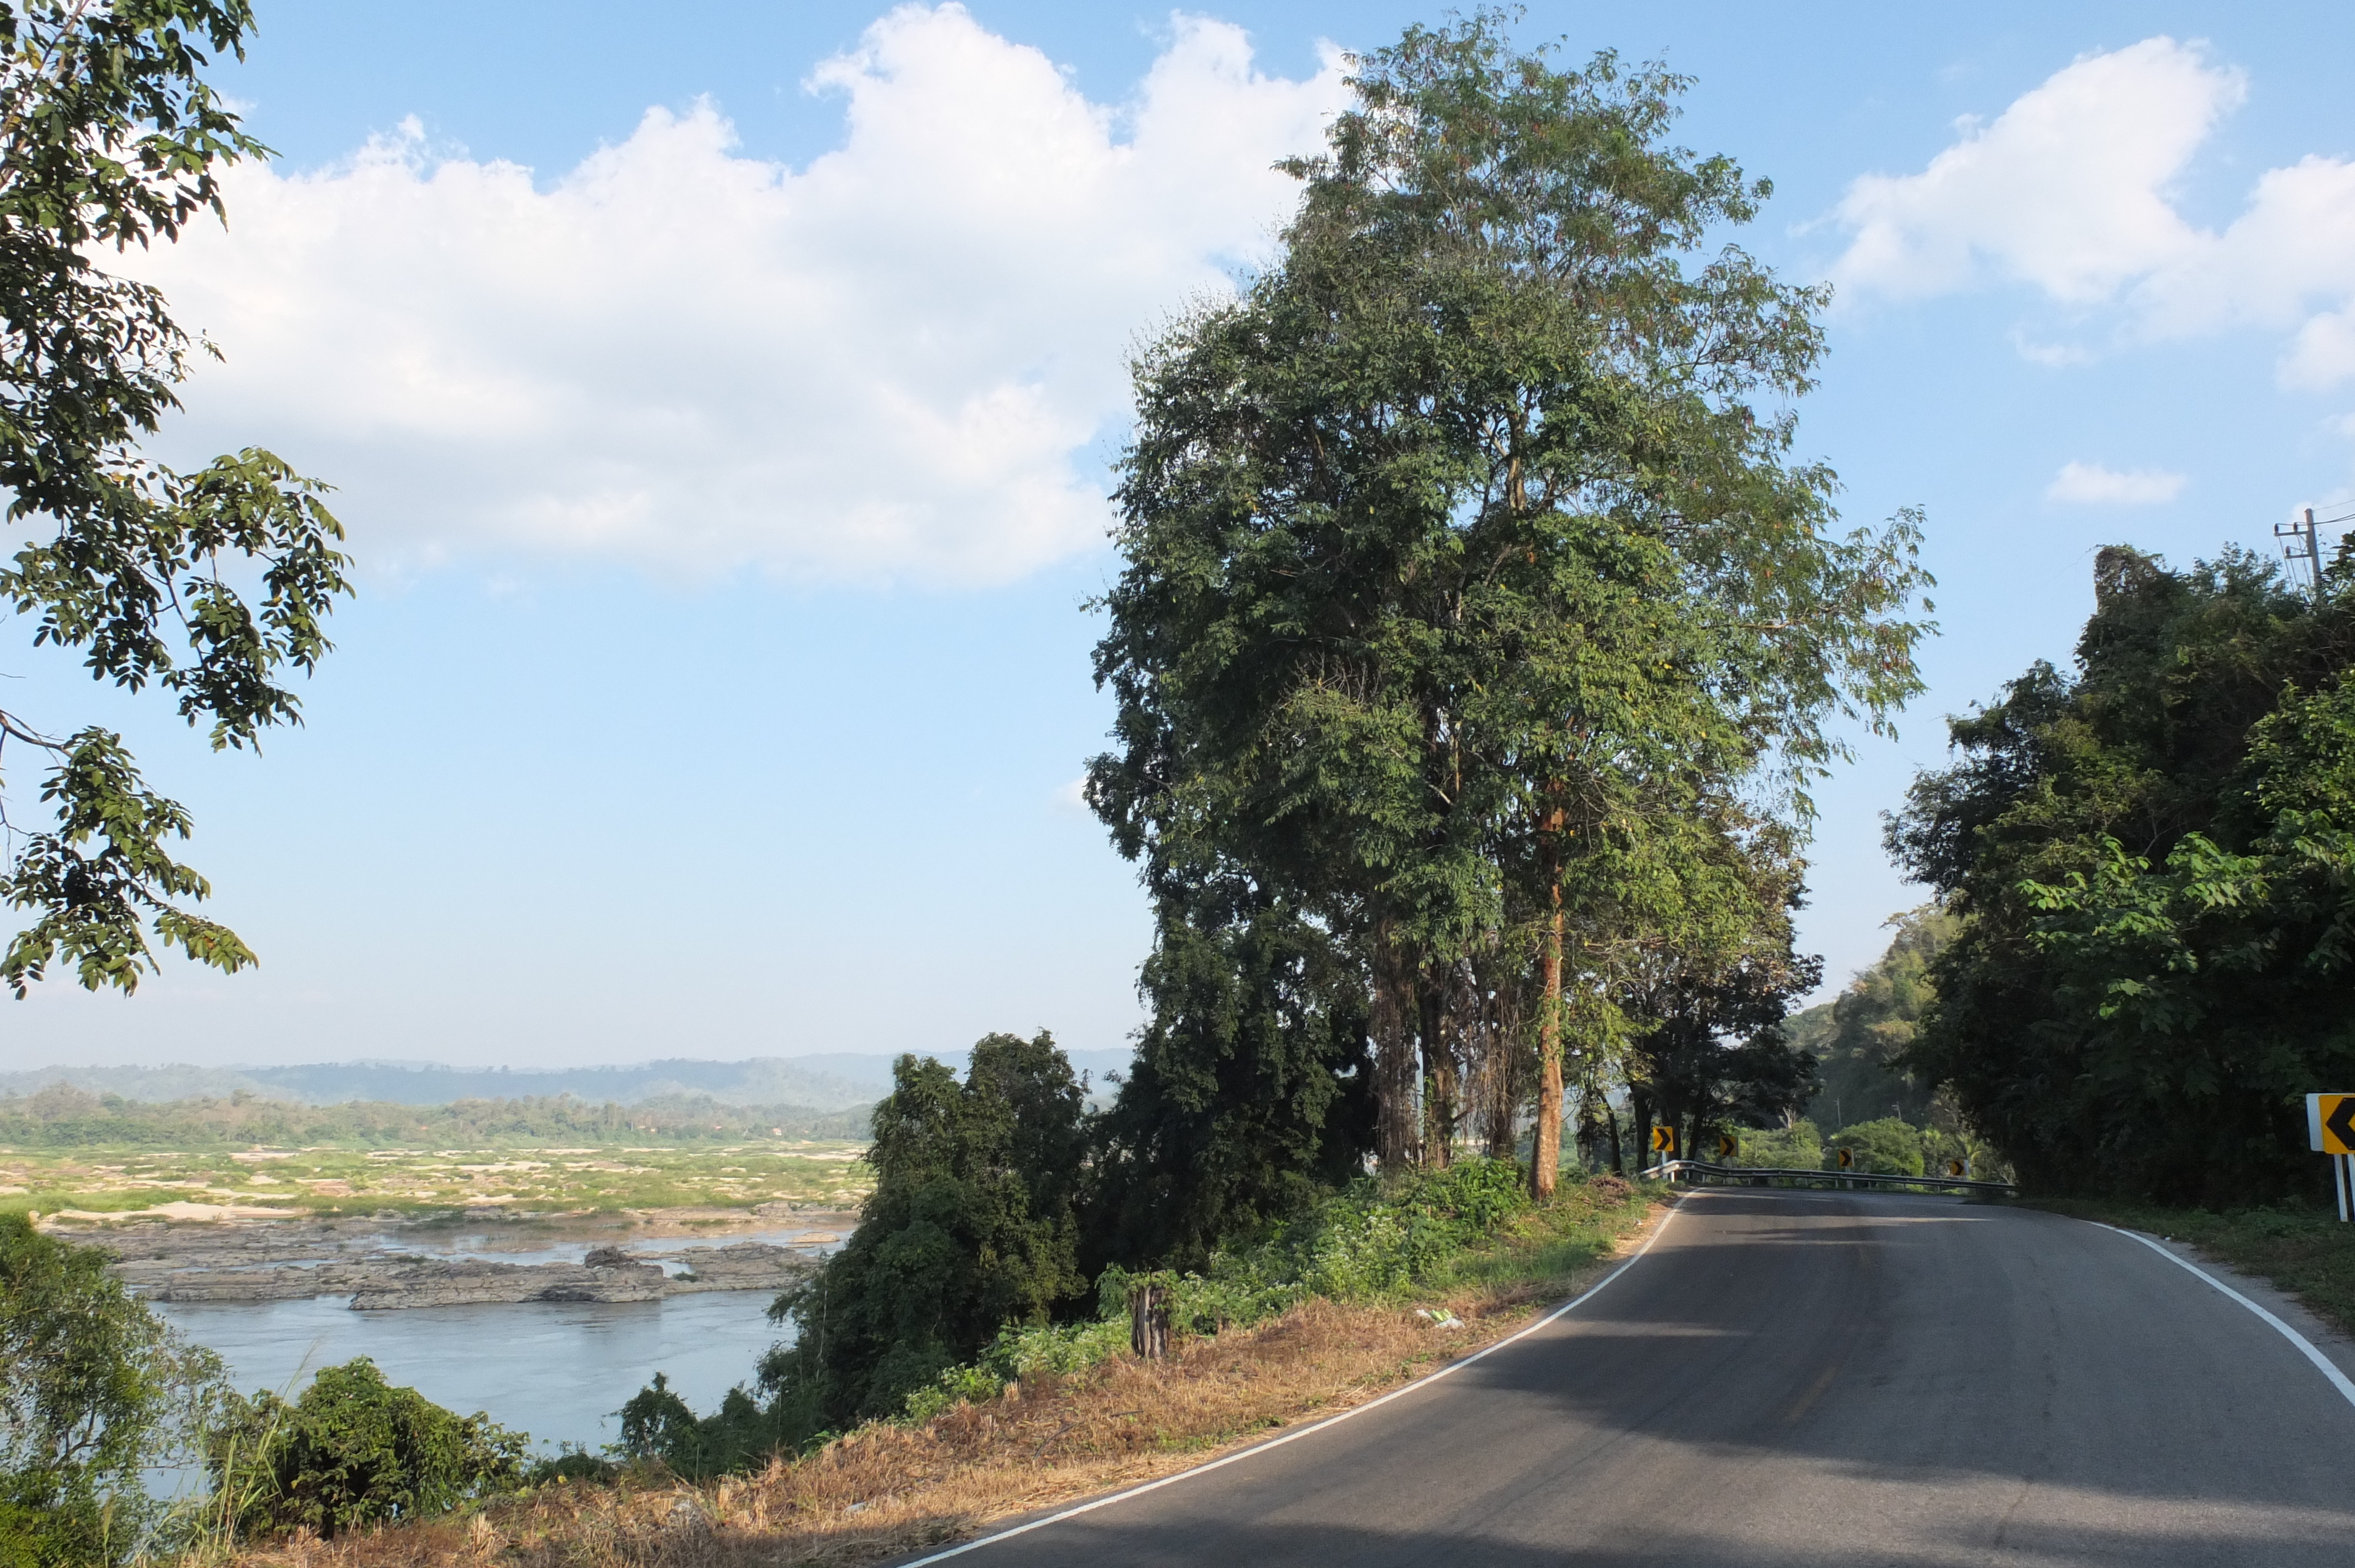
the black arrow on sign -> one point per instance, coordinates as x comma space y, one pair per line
2341, 1122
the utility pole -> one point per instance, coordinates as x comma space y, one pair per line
2304, 544
2302, 547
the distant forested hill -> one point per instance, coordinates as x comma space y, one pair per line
834, 1081
63, 1117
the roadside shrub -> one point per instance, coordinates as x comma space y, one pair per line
1887, 1146
658, 1425
94, 1390
1799, 1148
1362, 1245
571, 1463
353, 1450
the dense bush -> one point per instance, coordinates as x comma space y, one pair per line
1361, 1245
658, 1425
1798, 1146
1885, 1148
353, 1450
93, 1391
972, 1228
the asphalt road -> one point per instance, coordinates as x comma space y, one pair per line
1798, 1378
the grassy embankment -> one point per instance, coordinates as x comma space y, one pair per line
894, 1486
2304, 1252
411, 1183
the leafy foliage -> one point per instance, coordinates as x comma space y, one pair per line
1717, 1058
658, 1425
971, 1225
110, 136
1886, 1146
353, 1450
1364, 1244
2154, 865
1798, 1146
93, 1391
1250, 1093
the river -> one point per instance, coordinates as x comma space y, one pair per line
556, 1369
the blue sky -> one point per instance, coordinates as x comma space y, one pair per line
721, 412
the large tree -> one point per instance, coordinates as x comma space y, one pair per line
1469, 574
210, 584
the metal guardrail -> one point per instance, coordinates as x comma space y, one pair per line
1761, 1175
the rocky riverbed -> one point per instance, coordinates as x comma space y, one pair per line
386, 1268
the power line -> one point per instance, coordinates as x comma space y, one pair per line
2305, 542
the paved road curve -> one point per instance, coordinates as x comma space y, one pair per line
1808, 1379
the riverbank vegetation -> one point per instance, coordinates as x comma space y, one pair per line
94, 1392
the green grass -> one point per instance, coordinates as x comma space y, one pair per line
420, 1182
1546, 1244
1465, 1233
2305, 1252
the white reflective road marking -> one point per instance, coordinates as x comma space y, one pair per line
2328, 1368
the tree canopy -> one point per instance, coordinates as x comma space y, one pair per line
1473, 601
2152, 863
211, 583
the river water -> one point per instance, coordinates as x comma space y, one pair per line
556, 1369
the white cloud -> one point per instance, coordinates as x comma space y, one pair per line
2066, 189
2091, 484
2071, 190
891, 364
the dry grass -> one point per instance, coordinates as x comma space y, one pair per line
885, 1492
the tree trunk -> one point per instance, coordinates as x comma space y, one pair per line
1149, 1321
1439, 1077
1545, 1141
1394, 1014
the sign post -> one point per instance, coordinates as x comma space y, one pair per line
2330, 1129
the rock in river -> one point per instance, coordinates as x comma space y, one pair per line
466, 1282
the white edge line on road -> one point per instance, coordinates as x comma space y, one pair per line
1257, 1449
2328, 1369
